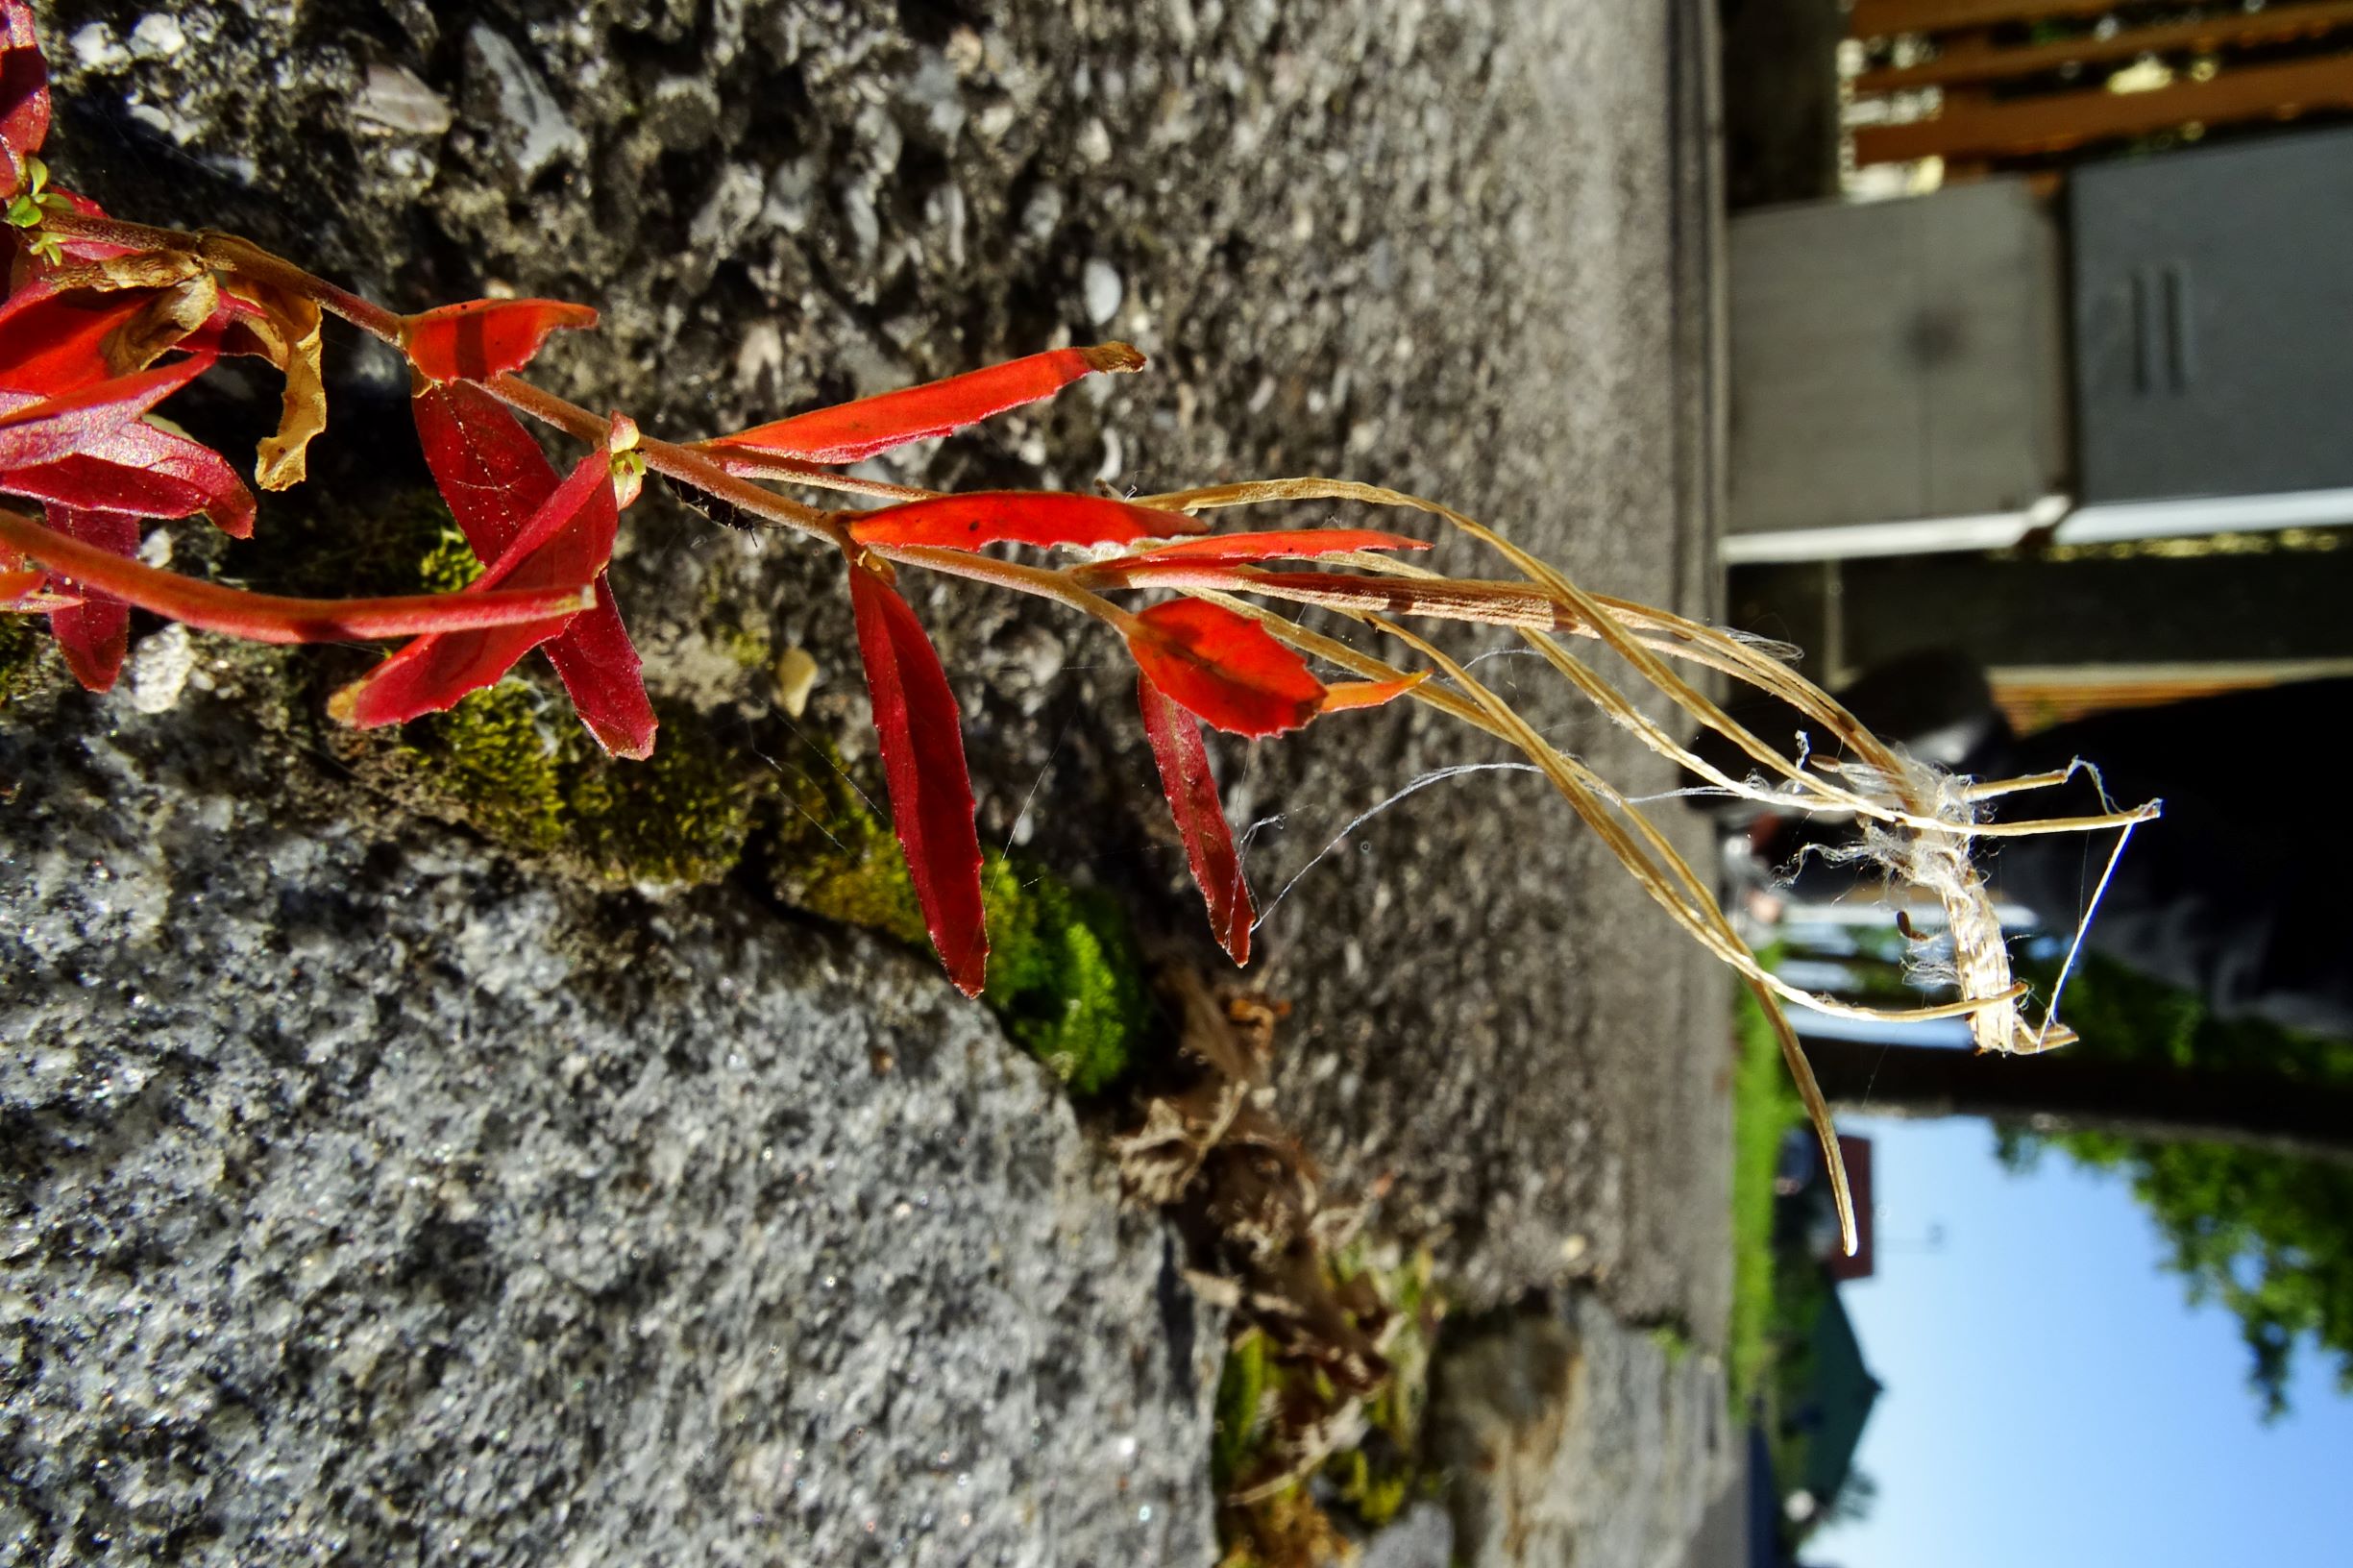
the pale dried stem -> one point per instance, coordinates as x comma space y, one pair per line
1671, 882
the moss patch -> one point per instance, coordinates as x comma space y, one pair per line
498, 759
1360, 1488
514, 764
1243, 1412
1064, 974
1064, 977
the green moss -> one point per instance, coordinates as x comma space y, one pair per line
1065, 977
1064, 974
1370, 1482
742, 640
681, 815
514, 764
498, 754
448, 563
1379, 1476
836, 858
1239, 1433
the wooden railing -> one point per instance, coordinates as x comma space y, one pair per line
2025, 82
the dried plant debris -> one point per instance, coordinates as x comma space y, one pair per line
1319, 1409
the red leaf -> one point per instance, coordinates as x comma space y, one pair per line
849, 432
482, 338
24, 93
1025, 517
606, 680
1225, 668
51, 342
145, 471
94, 634
922, 762
268, 618
1201, 820
488, 468
565, 544
43, 429
494, 477
1278, 544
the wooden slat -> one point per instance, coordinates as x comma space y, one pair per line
1877, 18
2035, 698
2276, 24
2024, 126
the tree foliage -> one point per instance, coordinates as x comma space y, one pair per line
2270, 1238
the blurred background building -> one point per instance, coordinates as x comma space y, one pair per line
2039, 342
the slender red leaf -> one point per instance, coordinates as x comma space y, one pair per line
24, 93
605, 678
1278, 544
1225, 668
145, 471
270, 618
849, 432
922, 762
565, 544
45, 430
488, 468
494, 477
482, 338
1201, 820
1024, 516
94, 634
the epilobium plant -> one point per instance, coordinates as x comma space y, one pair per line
104, 319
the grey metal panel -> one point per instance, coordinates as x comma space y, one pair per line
1895, 361
2213, 320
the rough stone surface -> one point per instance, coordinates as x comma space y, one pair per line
363, 1201
1568, 1440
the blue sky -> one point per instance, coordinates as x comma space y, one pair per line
2051, 1397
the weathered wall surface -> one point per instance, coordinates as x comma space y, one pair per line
1568, 1440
